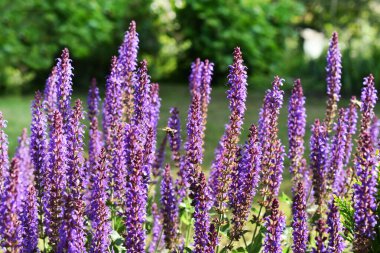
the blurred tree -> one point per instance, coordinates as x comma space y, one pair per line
358, 24
33, 33
214, 27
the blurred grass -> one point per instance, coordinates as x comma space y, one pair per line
16, 111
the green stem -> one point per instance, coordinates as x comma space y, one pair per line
217, 234
188, 233
245, 243
256, 225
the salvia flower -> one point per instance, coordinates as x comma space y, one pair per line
119, 172
296, 130
112, 107
150, 136
244, 184
38, 143
135, 199
29, 221
205, 88
335, 171
155, 104
334, 72
299, 223
127, 63
193, 146
365, 190
274, 224
275, 170
129, 49
51, 92
174, 135
100, 225
169, 209
195, 78
156, 229
64, 85
271, 145
201, 216
10, 227
268, 118
26, 169
318, 160
4, 163
351, 121
321, 237
237, 95
336, 240
55, 187
73, 229
375, 131
142, 97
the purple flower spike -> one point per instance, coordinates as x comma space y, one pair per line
112, 108
93, 101
51, 92
169, 209
334, 72
64, 85
201, 216
55, 187
38, 143
26, 169
136, 196
127, 63
174, 135
119, 173
156, 230
10, 227
101, 227
205, 88
29, 221
299, 223
245, 182
272, 149
142, 99
274, 224
73, 230
321, 236
195, 79
276, 168
155, 105
4, 162
318, 160
128, 51
268, 120
335, 167
193, 147
375, 131
336, 240
351, 121
365, 191
237, 95
296, 131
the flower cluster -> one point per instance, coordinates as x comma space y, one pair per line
117, 195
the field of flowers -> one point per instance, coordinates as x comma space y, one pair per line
134, 189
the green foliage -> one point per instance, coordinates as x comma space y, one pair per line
117, 242
214, 28
34, 32
346, 210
